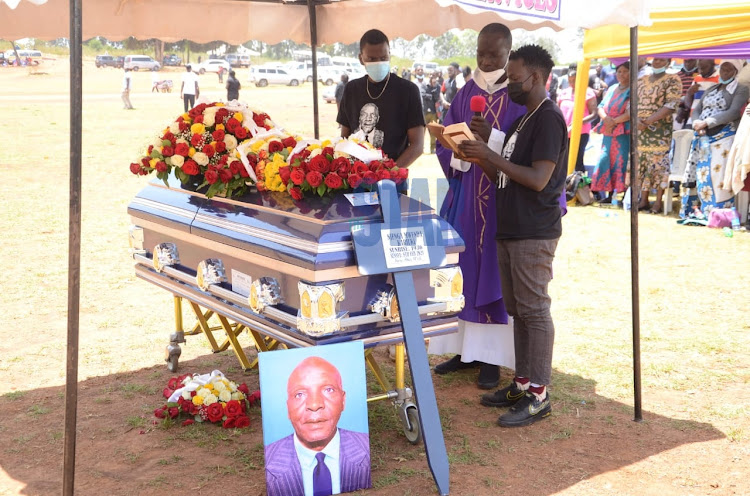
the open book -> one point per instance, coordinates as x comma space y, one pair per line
451, 136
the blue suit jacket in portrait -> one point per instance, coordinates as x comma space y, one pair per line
284, 474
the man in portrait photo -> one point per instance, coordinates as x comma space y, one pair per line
318, 458
368, 119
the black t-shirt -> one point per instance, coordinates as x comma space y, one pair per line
233, 88
523, 213
386, 118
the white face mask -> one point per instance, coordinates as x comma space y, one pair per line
490, 78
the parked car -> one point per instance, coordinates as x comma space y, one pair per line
31, 57
138, 62
331, 75
238, 60
212, 65
265, 75
171, 60
109, 61
329, 94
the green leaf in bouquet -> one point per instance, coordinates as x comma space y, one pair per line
321, 190
285, 153
214, 188
172, 404
180, 174
166, 143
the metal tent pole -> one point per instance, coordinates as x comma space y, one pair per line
313, 46
74, 248
635, 189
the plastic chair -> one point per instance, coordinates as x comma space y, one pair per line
681, 141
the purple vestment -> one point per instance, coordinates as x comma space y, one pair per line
470, 208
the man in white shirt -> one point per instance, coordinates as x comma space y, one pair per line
126, 85
189, 90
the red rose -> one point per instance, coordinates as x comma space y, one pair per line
243, 171
235, 167
167, 151
190, 167
253, 159
221, 114
161, 412
354, 180
168, 136
135, 168
187, 422
297, 176
183, 126
208, 150
146, 161
218, 135
334, 181
198, 119
188, 407
228, 423
242, 422
341, 166
211, 176
275, 146
255, 397
225, 175
214, 412
241, 133
314, 178
383, 174
403, 173
289, 142
160, 166
242, 388
196, 139
327, 151
320, 164
360, 167
220, 146
375, 166
167, 392
150, 149
174, 412
369, 177
232, 125
223, 159
296, 193
285, 173
182, 149
233, 408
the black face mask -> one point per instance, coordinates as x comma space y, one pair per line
517, 94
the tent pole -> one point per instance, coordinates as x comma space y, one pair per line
74, 247
634, 202
313, 46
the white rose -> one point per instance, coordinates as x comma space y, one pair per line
177, 160
186, 395
181, 140
158, 143
237, 396
316, 152
225, 396
219, 386
209, 119
200, 158
174, 128
230, 141
203, 392
210, 399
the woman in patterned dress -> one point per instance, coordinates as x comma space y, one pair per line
610, 174
658, 96
715, 120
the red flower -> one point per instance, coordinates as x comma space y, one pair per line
198, 119
188, 407
187, 422
220, 146
211, 176
167, 392
225, 175
242, 422
235, 167
214, 412
182, 149
219, 134
196, 139
327, 151
208, 150
161, 412
223, 160
232, 125
167, 151
298, 177
319, 164
360, 167
233, 408
285, 173
183, 126
242, 388
150, 149
354, 180
275, 146
255, 397
190, 167
228, 423
314, 178
334, 181
289, 142
160, 166
375, 166
403, 173
296, 193
174, 412
168, 136
241, 133
243, 171
135, 168
221, 114
383, 174
369, 177
146, 162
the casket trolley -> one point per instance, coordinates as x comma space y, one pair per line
286, 273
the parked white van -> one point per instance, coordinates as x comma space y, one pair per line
137, 62
350, 65
275, 74
238, 60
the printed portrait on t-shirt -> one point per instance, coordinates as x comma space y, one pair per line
369, 116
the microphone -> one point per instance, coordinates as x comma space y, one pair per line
477, 105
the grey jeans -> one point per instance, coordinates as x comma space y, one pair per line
525, 273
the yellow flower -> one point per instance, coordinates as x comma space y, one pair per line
197, 128
219, 104
257, 146
152, 162
313, 146
197, 400
220, 126
325, 143
239, 116
186, 117
209, 386
191, 152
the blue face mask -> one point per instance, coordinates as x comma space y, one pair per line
659, 70
725, 81
377, 70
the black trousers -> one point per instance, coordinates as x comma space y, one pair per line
190, 100
581, 151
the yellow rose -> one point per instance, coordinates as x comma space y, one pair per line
197, 400
257, 146
191, 152
209, 386
152, 163
325, 143
197, 128
239, 116
220, 126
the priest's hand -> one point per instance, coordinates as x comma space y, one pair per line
479, 126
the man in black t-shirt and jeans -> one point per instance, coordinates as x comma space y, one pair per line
382, 108
530, 175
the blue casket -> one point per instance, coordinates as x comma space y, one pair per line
286, 269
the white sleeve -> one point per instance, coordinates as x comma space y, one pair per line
496, 141
459, 165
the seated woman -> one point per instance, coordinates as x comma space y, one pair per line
611, 173
715, 120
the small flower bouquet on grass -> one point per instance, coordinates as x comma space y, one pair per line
207, 398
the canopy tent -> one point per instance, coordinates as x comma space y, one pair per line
688, 28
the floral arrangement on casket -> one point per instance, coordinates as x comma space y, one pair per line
207, 398
320, 167
200, 147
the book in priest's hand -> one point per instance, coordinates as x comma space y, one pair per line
450, 136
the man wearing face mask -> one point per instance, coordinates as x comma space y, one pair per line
485, 338
530, 174
383, 104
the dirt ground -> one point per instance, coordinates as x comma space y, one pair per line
693, 439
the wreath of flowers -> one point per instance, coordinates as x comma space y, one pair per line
200, 147
207, 398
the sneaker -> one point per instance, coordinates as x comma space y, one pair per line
453, 365
528, 410
507, 396
489, 376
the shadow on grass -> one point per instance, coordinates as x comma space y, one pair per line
122, 451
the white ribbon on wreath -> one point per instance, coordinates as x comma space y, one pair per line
196, 382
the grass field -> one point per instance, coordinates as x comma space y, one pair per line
694, 329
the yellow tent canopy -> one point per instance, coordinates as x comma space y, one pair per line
694, 25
